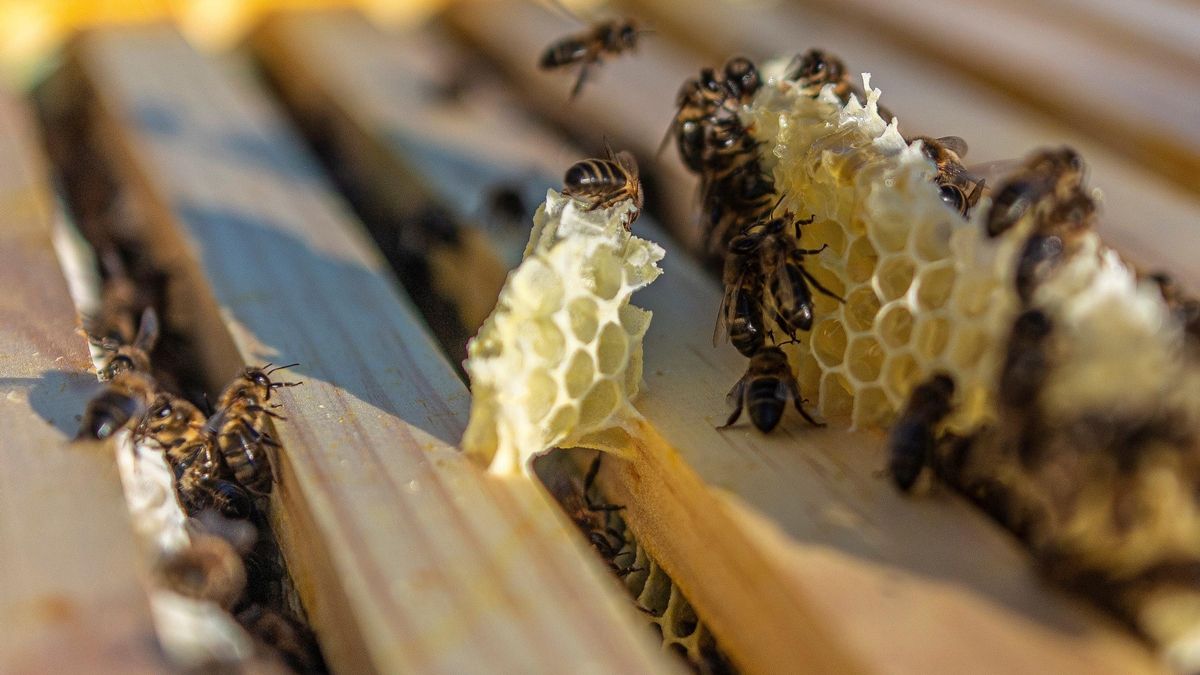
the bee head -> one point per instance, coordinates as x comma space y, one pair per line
815, 67
118, 364
741, 76
709, 82
953, 196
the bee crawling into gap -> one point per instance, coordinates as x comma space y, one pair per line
765, 389
592, 518
604, 182
124, 357
239, 427
587, 48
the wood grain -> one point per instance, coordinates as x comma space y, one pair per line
1150, 219
71, 597
407, 557
791, 547
1139, 105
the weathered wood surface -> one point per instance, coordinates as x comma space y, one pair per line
624, 101
758, 531
1138, 104
407, 557
71, 596
1150, 219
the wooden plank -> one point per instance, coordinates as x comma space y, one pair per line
758, 531
624, 101
71, 597
1152, 221
406, 556
1140, 106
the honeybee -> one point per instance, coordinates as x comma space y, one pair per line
740, 318
1047, 178
239, 426
604, 182
1053, 236
702, 101
911, 441
122, 403
209, 568
814, 69
735, 203
1023, 373
592, 518
606, 38
1184, 307
200, 486
122, 357
783, 268
172, 422
284, 634
765, 389
957, 188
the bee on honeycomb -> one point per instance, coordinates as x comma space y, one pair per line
1056, 386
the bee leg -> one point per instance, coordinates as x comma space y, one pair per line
816, 284
740, 389
798, 401
583, 73
812, 251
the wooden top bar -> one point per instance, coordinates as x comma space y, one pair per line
792, 547
71, 597
407, 557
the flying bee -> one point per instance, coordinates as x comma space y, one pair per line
122, 357
765, 389
200, 486
957, 188
783, 267
604, 182
239, 427
121, 404
587, 48
912, 439
1047, 178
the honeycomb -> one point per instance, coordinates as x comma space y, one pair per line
1109, 502
560, 358
921, 284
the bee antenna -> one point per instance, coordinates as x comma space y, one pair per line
268, 372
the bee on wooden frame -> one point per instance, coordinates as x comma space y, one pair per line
239, 426
765, 390
172, 422
911, 441
587, 48
121, 357
604, 182
121, 404
200, 486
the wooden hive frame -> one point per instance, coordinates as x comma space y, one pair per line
791, 547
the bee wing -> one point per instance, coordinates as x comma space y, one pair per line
995, 172
728, 302
628, 162
954, 144
148, 331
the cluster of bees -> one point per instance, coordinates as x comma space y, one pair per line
221, 467
767, 286
1046, 189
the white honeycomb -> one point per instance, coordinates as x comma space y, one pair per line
560, 358
926, 291
921, 285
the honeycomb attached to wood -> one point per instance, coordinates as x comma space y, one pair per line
560, 358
